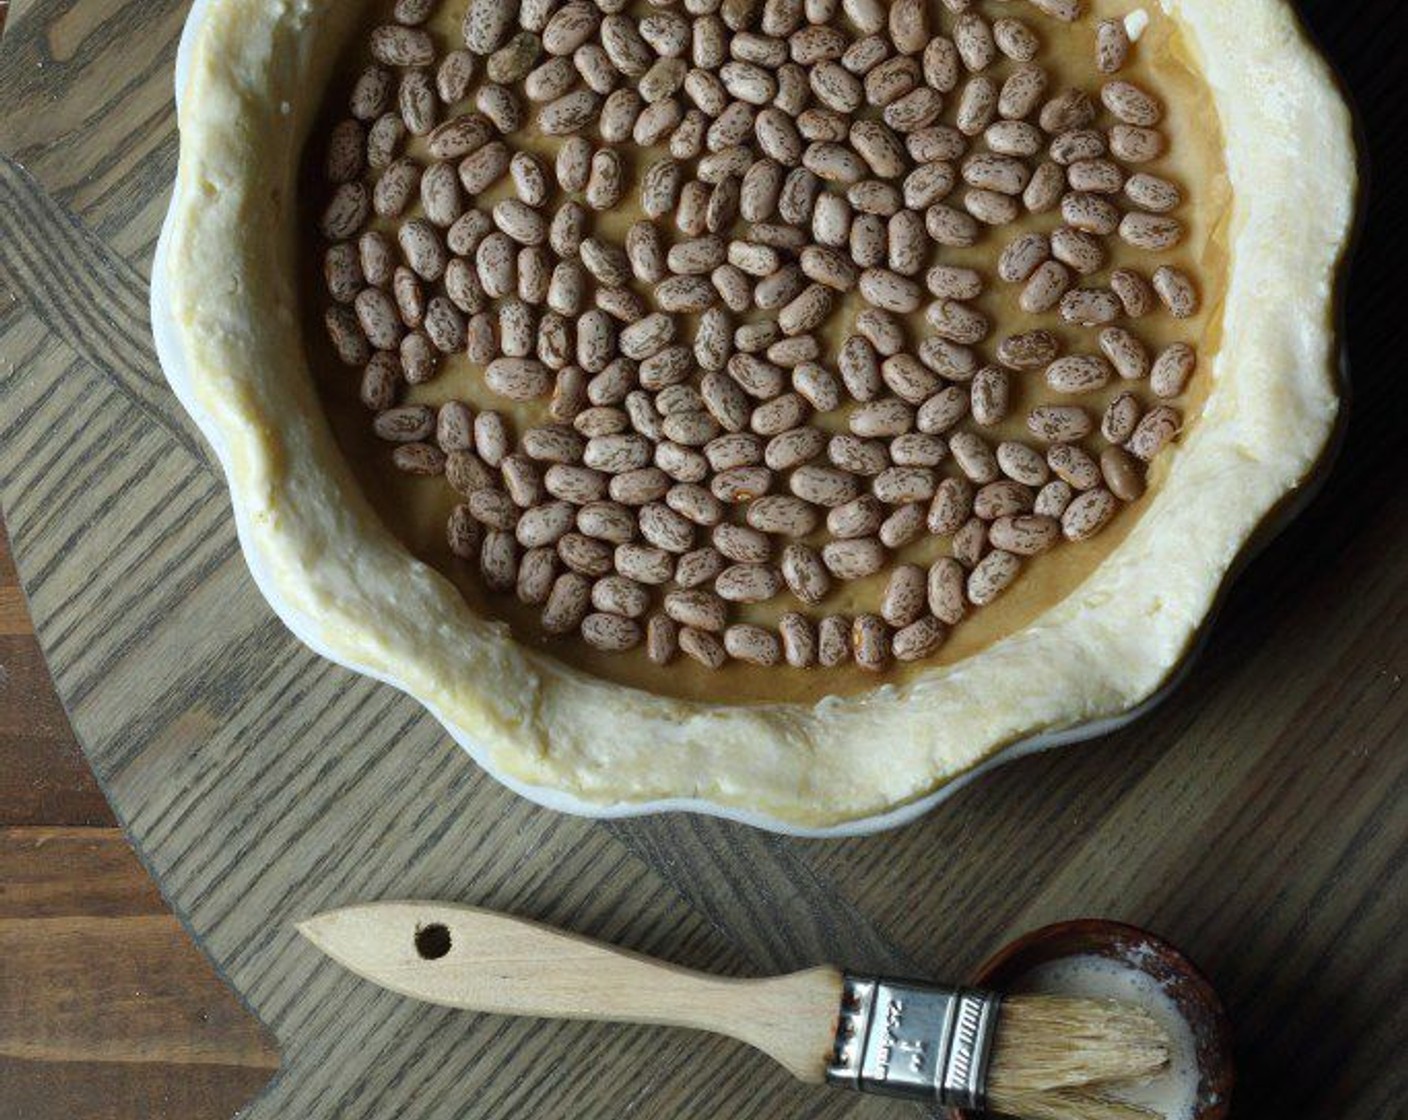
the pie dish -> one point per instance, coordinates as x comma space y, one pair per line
233, 344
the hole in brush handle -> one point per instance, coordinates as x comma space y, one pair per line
433, 941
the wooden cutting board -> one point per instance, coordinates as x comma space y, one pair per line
1257, 819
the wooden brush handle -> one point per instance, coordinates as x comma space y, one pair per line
464, 957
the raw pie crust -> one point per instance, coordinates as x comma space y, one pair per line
351, 589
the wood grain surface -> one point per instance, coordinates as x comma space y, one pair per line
107, 1009
1258, 819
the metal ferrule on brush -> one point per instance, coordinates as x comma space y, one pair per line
912, 1040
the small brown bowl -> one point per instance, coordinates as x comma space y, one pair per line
1138, 949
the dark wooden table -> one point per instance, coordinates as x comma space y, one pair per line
1293, 897
100, 986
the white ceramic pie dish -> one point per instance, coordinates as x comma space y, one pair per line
179, 370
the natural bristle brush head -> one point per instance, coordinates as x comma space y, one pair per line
1074, 1104
1052, 1052
1056, 1042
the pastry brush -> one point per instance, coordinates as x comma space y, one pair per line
1038, 1057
